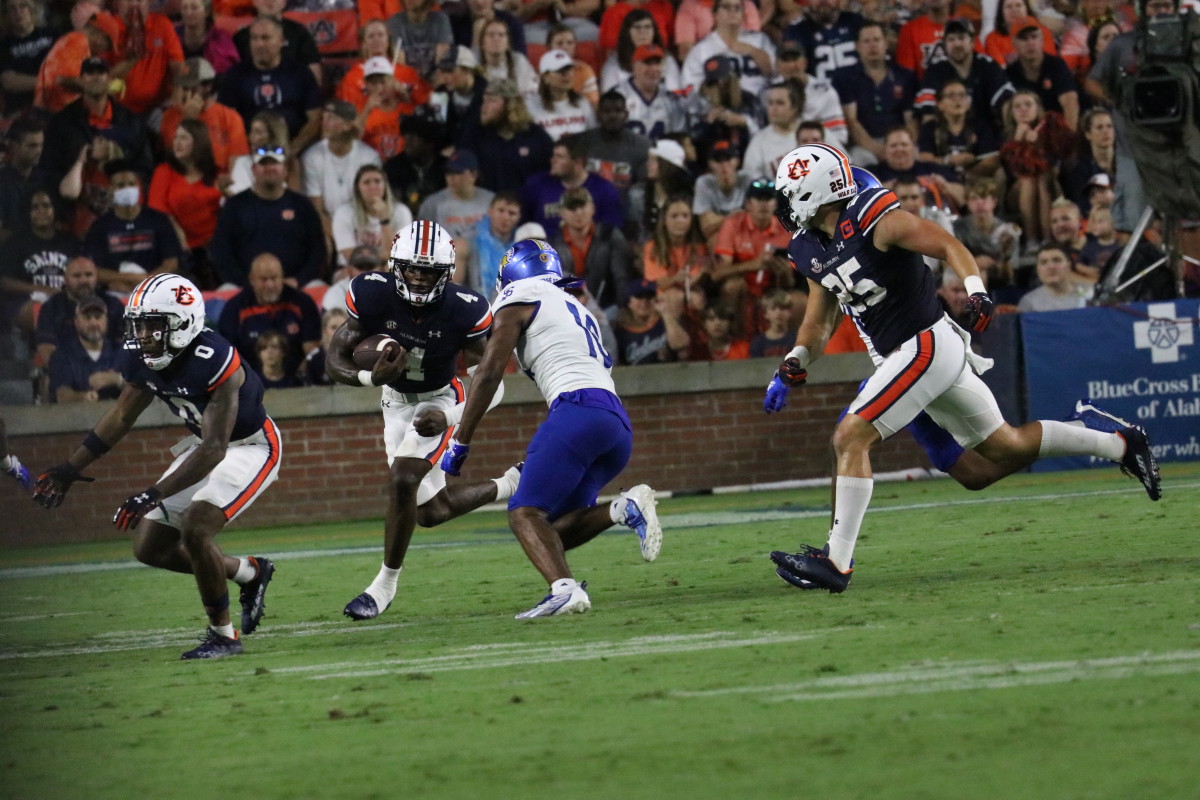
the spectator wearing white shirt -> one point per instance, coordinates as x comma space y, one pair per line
462, 203
752, 51
331, 164
654, 112
372, 218
768, 147
821, 100
558, 108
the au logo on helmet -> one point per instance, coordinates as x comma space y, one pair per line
798, 168
183, 295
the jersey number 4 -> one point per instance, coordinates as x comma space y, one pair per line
855, 293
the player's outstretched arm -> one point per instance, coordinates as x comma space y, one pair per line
820, 318
53, 484
507, 325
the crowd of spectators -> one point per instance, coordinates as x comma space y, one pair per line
641, 137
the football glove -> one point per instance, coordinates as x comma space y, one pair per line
52, 485
789, 374
456, 453
981, 309
136, 507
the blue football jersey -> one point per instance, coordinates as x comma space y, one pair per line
433, 335
187, 383
891, 295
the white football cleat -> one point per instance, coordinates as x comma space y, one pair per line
566, 597
641, 517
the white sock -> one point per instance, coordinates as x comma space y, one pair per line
616, 510
225, 630
853, 497
1061, 439
6, 462
245, 571
383, 588
506, 484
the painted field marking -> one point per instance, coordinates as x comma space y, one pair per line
965, 676
670, 522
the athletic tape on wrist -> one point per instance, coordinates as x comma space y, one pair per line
974, 285
364, 377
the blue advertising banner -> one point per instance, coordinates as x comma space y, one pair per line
1140, 361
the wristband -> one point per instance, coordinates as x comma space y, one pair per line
974, 285
454, 414
95, 445
800, 353
364, 377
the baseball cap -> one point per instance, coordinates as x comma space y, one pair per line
669, 150
761, 190
716, 68
640, 287
790, 47
93, 64
504, 87
364, 257
376, 65
722, 151
553, 61
195, 72
92, 302
529, 230
461, 161
269, 153
1025, 26
107, 24
958, 26
647, 52
343, 109
1099, 179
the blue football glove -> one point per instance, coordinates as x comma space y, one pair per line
981, 309
18, 472
777, 392
136, 507
452, 460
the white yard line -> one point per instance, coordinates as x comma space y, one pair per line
670, 522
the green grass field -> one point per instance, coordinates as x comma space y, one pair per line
1037, 640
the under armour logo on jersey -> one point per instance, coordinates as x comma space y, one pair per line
798, 168
183, 295
435, 334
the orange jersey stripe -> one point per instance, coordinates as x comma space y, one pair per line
902, 382
436, 456
876, 209
235, 364
483, 324
350, 304
273, 459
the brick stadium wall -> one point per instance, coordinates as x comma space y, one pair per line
333, 466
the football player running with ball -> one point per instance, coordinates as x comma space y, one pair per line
229, 460
861, 252
432, 321
585, 440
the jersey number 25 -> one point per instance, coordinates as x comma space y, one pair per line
855, 293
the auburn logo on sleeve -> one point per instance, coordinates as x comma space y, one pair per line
183, 295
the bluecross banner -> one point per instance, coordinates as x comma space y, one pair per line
1139, 361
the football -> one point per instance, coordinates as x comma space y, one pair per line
370, 350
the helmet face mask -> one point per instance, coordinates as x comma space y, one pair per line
808, 177
422, 259
165, 313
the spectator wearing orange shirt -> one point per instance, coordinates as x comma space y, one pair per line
1011, 17
185, 187
921, 37
677, 258
749, 251
151, 53
375, 45
718, 341
379, 118
195, 97
58, 79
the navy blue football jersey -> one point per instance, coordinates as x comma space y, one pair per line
433, 335
187, 383
891, 295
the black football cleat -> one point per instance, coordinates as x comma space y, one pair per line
811, 569
363, 607
1138, 461
254, 595
214, 645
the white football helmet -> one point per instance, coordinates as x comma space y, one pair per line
809, 177
162, 317
426, 248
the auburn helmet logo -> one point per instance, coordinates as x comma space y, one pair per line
183, 295
798, 168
